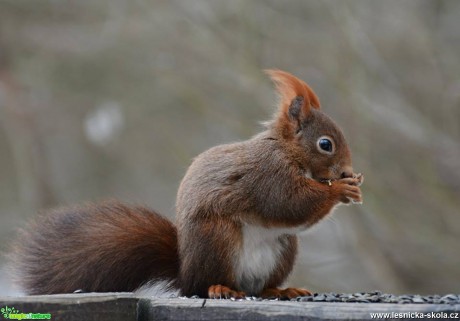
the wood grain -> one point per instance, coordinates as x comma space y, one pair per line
126, 306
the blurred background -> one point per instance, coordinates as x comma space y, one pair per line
104, 99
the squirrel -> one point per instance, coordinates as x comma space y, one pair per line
239, 209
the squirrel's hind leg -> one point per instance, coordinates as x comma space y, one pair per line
285, 294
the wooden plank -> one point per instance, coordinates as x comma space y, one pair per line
126, 306
92, 306
220, 310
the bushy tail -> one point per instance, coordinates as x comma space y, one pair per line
105, 247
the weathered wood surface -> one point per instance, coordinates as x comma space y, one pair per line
93, 306
220, 310
126, 306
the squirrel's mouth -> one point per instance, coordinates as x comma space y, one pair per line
327, 181
325, 178
320, 179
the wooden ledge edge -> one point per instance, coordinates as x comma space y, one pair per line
127, 306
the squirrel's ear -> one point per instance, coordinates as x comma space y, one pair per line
296, 97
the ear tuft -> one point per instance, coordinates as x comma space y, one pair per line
296, 101
290, 87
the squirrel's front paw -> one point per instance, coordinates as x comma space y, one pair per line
222, 292
349, 190
360, 179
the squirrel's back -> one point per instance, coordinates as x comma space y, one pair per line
108, 247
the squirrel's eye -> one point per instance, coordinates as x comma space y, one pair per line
325, 145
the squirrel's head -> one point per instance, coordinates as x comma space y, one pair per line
313, 139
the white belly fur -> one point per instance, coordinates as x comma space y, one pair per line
258, 256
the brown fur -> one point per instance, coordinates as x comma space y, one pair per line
259, 182
285, 264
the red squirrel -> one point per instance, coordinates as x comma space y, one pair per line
239, 209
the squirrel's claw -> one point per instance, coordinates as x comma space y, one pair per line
222, 292
360, 178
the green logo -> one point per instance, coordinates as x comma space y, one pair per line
13, 314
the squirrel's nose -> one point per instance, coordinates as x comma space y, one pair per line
348, 172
